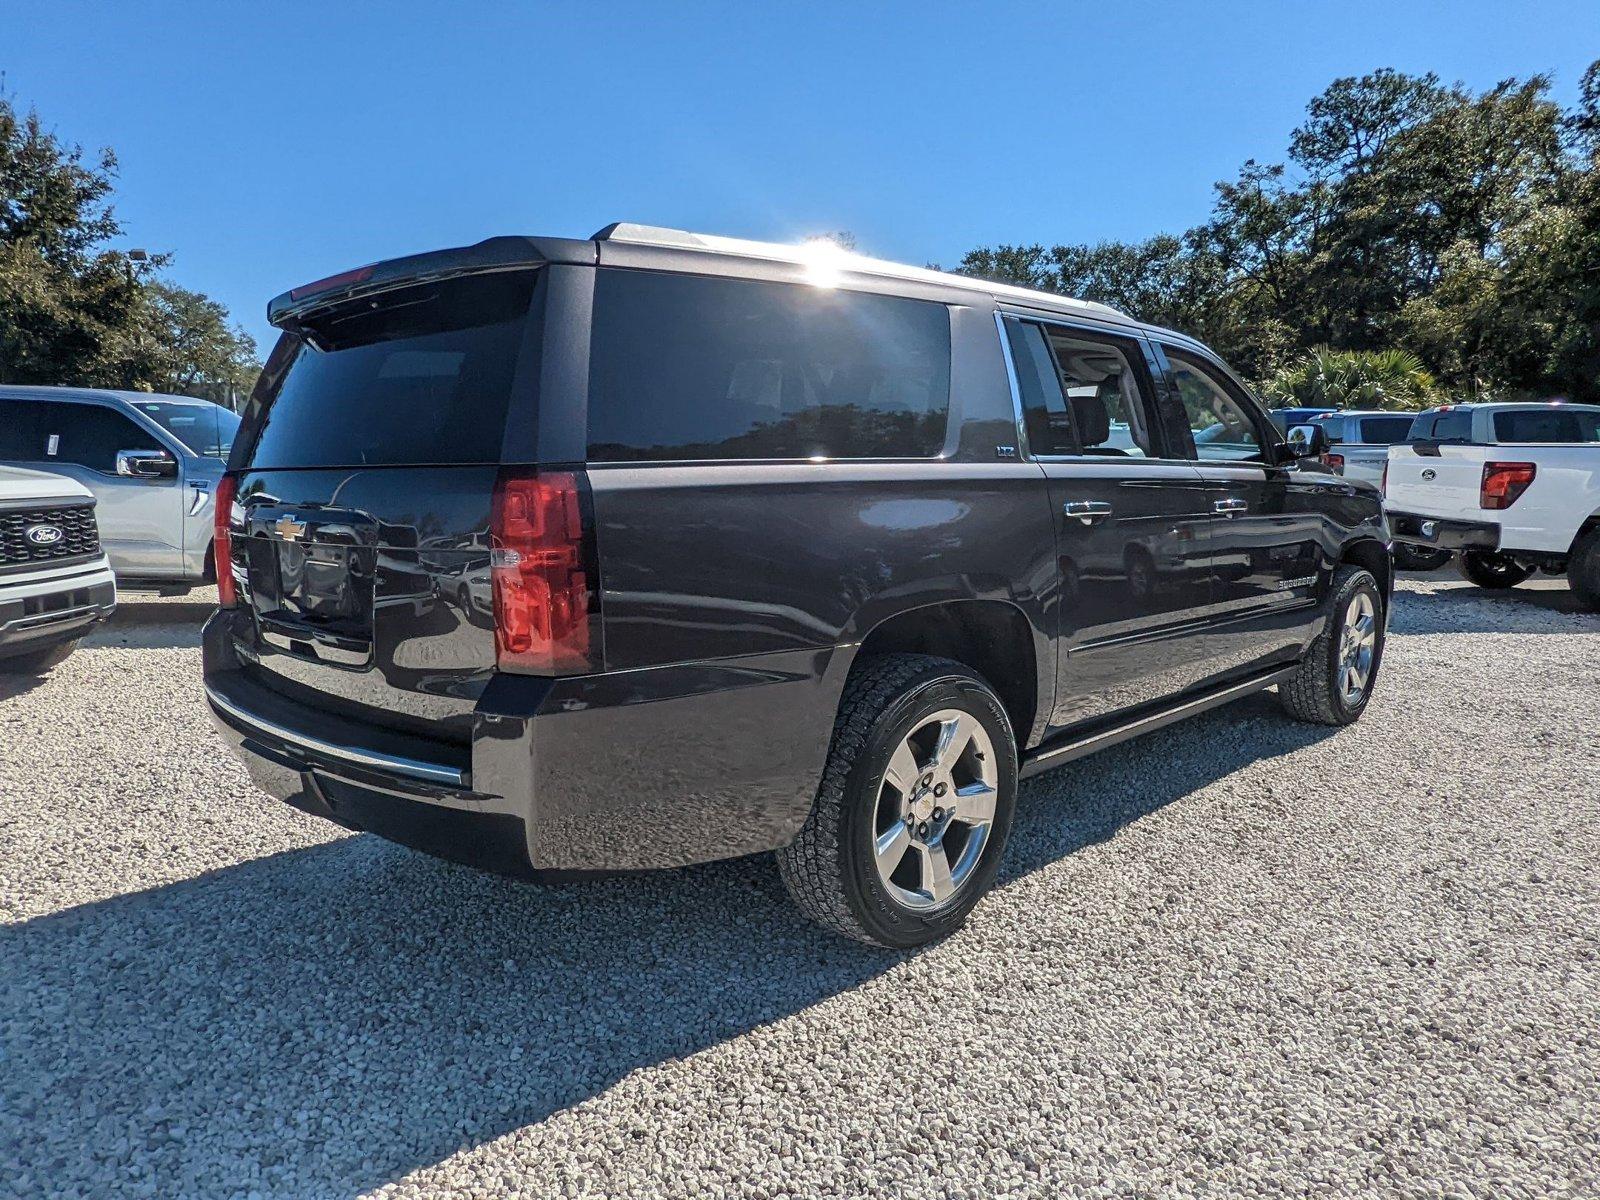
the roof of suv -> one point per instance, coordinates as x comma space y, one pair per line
42, 392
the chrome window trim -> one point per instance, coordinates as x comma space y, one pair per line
410, 767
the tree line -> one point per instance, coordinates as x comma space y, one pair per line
76, 311
1419, 241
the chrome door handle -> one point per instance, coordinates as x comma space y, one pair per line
1087, 511
1231, 505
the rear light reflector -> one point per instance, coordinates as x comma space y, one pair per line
1503, 482
222, 540
332, 282
540, 580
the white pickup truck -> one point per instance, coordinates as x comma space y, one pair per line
1511, 488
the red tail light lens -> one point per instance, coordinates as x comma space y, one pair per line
1503, 482
1334, 462
222, 540
541, 586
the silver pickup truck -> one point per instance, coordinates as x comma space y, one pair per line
151, 461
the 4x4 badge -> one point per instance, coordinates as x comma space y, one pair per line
288, 528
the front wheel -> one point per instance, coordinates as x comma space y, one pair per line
1489, 570
916, 799
1334, 681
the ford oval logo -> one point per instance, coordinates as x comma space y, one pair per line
43, 535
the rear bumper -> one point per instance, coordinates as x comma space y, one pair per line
39, 612
1441, 533
618, 771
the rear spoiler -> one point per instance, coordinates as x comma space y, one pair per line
492, 254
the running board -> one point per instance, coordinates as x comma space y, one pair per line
1056, 754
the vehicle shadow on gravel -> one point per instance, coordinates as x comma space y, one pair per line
153, 625
323, 1020
1469, 609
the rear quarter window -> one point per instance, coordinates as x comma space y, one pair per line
1385, 431
419, 375
697, 367
1547, 425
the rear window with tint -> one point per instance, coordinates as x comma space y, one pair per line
1385, 431
1547, 425
423, 377
696, 367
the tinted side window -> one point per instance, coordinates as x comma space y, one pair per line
1044, 405
1547, 425
23, 436
87, 435
1334, 427
696, 367
1221, 425
1109, 408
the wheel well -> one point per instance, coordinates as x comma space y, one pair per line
1372, 556
1584, 530
990, 636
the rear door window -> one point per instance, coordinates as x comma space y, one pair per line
689, 367
1109, 405
1044, 404
419, 375
1547, 425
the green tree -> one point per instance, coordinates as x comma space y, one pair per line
1385, 379
75, 311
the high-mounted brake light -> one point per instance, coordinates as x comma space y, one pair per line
222, 540
343, 279
541, 587
1503, 482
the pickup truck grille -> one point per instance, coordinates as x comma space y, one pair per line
79, 536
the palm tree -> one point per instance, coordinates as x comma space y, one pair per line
1385, 379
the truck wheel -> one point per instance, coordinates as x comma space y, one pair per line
1334, 680
1583, 569
916, 799
1419, 558
39, 661
1491, 570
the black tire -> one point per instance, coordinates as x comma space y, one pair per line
1315, 693
830, 868
1583, 570
1419, 558
1489, 570
39, 661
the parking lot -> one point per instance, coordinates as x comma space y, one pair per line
1236, 956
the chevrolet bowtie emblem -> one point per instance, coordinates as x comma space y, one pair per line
288, 528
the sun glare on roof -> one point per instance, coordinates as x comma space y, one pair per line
824, 261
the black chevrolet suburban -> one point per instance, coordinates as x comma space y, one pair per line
560, 556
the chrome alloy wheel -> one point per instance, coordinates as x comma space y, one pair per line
1358, 644
935, 809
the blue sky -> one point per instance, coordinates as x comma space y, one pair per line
267, 145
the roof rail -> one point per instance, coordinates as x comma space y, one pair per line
836, 258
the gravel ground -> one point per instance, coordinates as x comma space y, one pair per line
1236, 957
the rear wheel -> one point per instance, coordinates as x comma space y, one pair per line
916, 799
1334, 681
1489, 570
1583, 569
1419, 558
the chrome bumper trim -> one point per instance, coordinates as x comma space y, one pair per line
395, 765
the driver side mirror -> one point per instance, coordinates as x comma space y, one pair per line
1307, 441
146, 464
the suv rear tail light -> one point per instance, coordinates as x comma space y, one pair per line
1334, 462
222, 540
540, 575
1503, 482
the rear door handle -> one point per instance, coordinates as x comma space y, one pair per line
1087, 511
1230, 505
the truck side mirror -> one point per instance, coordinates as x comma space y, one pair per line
1308, 441
146, 464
